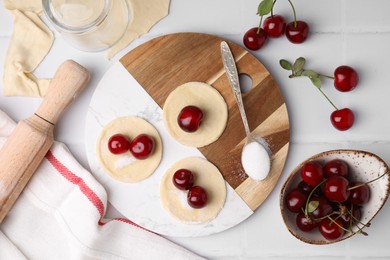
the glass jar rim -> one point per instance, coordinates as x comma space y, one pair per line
47, 9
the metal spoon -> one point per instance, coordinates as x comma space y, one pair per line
255, 157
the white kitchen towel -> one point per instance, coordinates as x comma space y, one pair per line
60, 215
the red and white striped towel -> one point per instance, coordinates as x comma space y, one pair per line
60, 215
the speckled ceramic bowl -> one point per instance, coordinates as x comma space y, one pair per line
363, 166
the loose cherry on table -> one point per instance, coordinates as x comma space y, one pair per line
342, 119
297, 31
183, 179
274, 26
142, 146
255, 38
190, 118
345, 79
197, 197
118, 144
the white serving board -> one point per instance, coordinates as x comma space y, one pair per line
119, 94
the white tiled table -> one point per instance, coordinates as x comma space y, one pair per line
353, 32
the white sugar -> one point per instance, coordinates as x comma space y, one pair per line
256, 161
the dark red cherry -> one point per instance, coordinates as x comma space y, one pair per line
305, 188
118, 144
190, 118
142, 146
295, 200
274, 26
312, 173
345, 78
359, 193
197, 197
336, 167
336, 188
183, 179
255, 38
331, 229
323, 208
297, 33
305, 224
352, 215
342, 119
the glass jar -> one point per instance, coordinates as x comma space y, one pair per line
89, 25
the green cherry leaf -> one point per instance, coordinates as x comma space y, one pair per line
265, 7
316, 81
298, 64
310, 74
285, 64
312, 206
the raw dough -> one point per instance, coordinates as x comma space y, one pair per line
209, 100
124, 167
207, 176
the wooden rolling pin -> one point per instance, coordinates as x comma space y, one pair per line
29, 142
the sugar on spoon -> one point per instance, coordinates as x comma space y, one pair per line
255, 158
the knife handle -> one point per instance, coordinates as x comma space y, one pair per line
27, 145
67, 83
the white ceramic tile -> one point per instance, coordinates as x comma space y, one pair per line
367, 16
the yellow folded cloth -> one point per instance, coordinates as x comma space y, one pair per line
30, 42
32, 39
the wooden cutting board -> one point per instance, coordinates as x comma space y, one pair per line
169, 61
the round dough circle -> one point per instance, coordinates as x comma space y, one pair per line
124, 167
206, 175
209, 100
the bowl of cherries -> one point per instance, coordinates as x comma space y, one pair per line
334, 195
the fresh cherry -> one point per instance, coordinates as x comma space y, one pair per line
255, 38
351, 216
274, 26
345, 78
359, 193
336, 188
118, 144
342, 119
190, 118
331, 229
305, 224
297, 31
197, 197
305, 188
323, 208
336, 167
142, 146
295, 200
312, 173
183, 179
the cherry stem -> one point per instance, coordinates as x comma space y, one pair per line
309, 197
330, 101
272, 9
325, 76
360, 231
362, 184
295, 15
259, 27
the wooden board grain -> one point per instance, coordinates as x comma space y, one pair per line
169, 61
